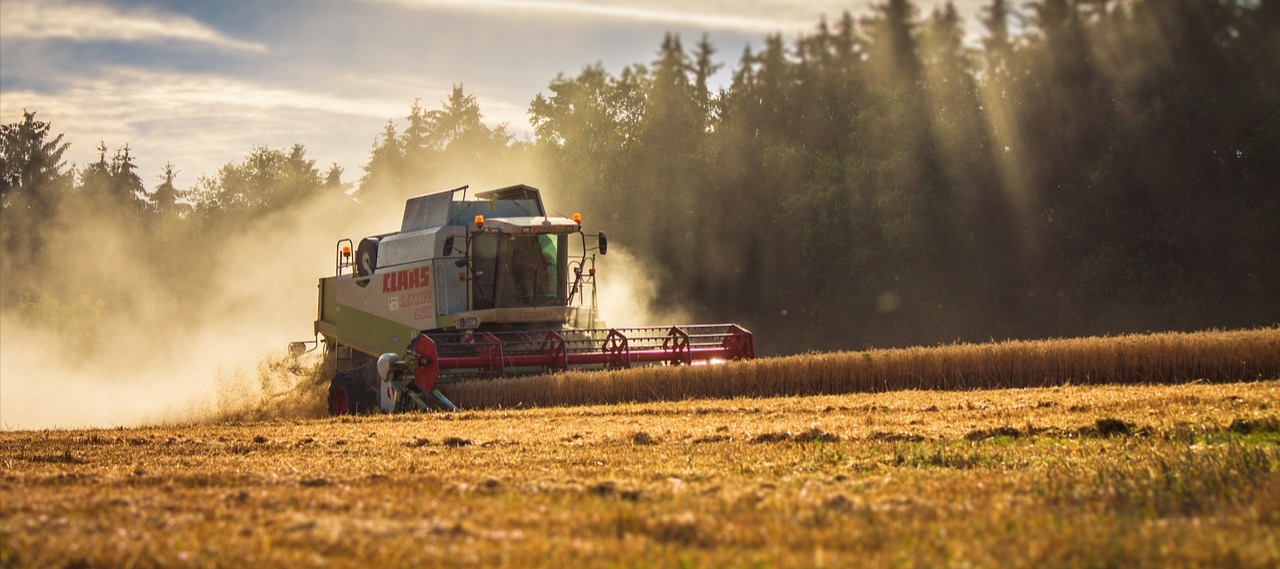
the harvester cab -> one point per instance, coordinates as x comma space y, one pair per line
480, 288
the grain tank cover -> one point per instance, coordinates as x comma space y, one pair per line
516, 192
451, 207
425, 212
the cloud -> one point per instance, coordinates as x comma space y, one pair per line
200, 122
749, 16
88, 22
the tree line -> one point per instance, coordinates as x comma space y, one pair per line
1082, 167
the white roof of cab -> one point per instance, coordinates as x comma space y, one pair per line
519, 225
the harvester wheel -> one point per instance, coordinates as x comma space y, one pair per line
350, 395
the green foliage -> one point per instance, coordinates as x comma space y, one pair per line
890, 186
31, 165
33, 180
164, 200
440, 148
113, 185
267, 180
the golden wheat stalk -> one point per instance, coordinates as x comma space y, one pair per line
1212, 356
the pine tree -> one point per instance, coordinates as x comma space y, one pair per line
333, 179
32, 170
386, 166
997, 43
164, 200
34, 179
704, 68
126, 185
95, 178
893, 54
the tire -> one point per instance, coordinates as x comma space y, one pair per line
367, 256
349, 394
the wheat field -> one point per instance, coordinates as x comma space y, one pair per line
1212, 356
1138, 451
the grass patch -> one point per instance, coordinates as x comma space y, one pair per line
1170, 481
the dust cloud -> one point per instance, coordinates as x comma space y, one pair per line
122, 331
198, 336
628, 293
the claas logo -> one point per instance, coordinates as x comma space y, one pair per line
406, 280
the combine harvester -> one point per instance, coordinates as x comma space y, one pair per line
480, 288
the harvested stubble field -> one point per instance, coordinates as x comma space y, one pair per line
1076, 475
1098, 476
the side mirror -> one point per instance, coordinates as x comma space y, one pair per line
604, 243
448, 245
460, 263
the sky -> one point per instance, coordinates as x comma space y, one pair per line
200, 84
